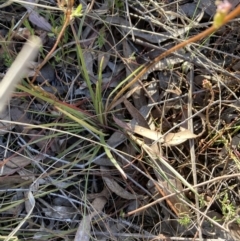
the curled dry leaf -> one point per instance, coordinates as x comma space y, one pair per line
153, 135
173, 139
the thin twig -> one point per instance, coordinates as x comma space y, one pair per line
192, 151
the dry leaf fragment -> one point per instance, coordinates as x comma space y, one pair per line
18, 161
105, 57
135, 113
15, 209
7, 171
60, 212
31, 199
34, 16
4, 127
116, 188
21, 34
116, 139
39, 21
84, 229
153, 135
173, 139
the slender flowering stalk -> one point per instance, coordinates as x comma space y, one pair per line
223, 8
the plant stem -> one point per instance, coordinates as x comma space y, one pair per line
195, 38
66, 23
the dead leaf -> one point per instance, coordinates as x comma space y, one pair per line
83, 232
19, 114
29, 196
59, 212
18, 161
173, 139
135, 114
7, 171
7, 182
21, 34
14, 164
116, 188
153, 135
16, 209
4, 127
236, 66
105, 57
190, 9
104, 162
116, 139
25, 175
89, 59
35, 18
